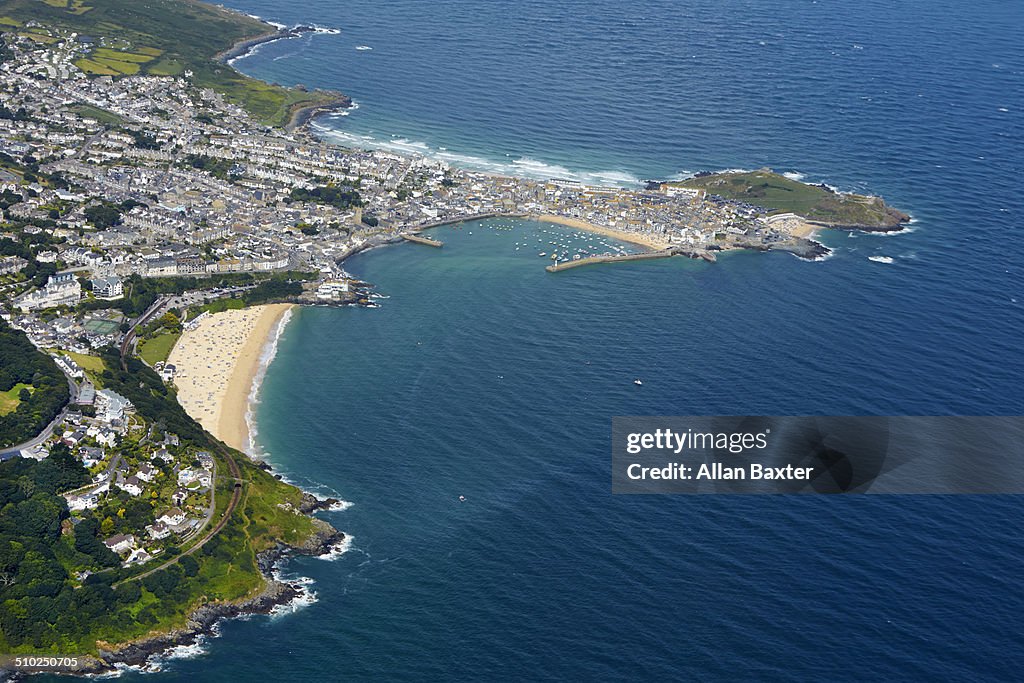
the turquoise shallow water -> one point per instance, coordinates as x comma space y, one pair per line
484, 376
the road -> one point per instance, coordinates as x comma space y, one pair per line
236, 495
11, 451
128, 343
128, 347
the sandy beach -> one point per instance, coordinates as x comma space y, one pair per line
216, 363
804, 229
632, 237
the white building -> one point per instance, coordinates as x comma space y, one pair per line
133, 486
172, 517
332, 289
108, 288
84, 501
69, 366
111, 406
120, 543
158, 530
146, 472
62, 289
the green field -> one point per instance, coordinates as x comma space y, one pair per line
9, 399
814, 202
101, 115
139, 57
221, 305
156, 349
86, 362
166, 37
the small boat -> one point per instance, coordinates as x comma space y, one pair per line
363, 48
638, 382
462, 499
542, 254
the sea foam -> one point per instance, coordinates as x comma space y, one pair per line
266, 357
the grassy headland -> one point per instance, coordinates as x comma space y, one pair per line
64, 591
816, 203
166, 38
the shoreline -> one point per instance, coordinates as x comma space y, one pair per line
624, 236
217, 363
299, 113
149, 653
248, 362
245, 46
265, 358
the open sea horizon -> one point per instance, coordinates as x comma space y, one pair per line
483, 376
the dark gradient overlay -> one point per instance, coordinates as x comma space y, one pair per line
837, 454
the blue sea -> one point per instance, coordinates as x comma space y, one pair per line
486, 377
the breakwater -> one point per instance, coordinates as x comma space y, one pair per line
418, 239
661, 253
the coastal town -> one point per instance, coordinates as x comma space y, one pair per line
111, 184
138, 206
156, 234
152, 176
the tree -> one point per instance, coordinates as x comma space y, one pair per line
189, 565
107, 526
170, 322
103, 215
87, 542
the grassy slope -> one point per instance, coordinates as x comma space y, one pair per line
185, 34
157, 349
9, 399
816, 203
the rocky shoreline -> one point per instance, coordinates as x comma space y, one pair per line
244, 47
300, 115
204, 619
887, 228
303, 115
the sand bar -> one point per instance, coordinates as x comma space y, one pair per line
216, 363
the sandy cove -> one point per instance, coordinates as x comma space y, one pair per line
632, 237
216, 363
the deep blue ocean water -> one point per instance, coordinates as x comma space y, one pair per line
484, 376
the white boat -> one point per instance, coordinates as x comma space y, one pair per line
638, 382
880, 259
363, 48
